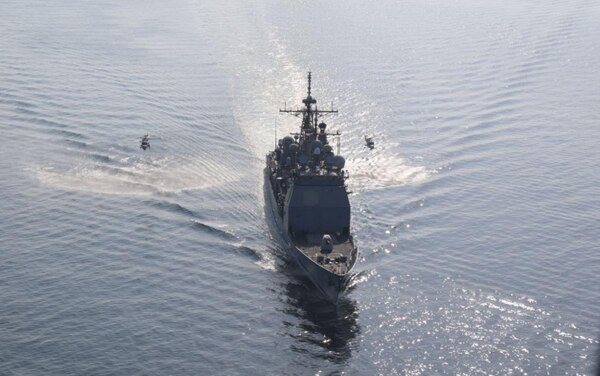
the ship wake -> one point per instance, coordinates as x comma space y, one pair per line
130, 176
379, 171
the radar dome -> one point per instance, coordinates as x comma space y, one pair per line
316, 144
339, 162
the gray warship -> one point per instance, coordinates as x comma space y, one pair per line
306, 184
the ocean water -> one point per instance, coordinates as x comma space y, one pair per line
477, 214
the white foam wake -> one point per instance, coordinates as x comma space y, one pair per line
380, 170
142, 177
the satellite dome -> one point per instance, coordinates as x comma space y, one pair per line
316, 144
339, 162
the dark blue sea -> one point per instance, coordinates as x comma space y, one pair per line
477, 214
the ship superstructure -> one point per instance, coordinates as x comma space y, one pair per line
307, 187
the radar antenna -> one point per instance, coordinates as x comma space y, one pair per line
309, 114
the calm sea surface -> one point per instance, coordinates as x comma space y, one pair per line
477, 214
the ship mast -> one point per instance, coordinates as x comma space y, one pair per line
309, 115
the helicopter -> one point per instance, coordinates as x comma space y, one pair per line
145, 142
369, 142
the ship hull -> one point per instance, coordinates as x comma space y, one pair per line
330, 285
